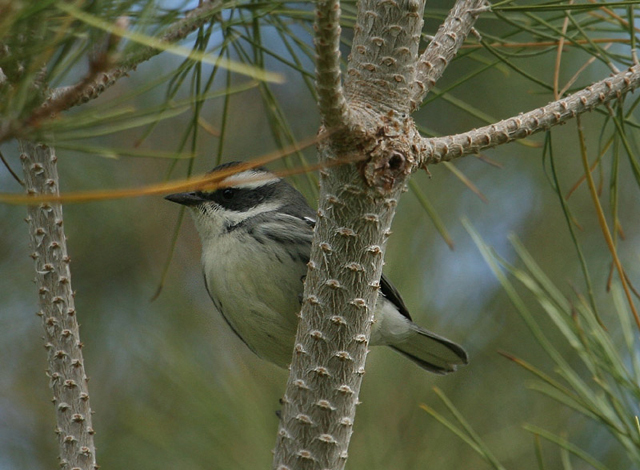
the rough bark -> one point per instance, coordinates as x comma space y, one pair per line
441, 149
331, 100
382, 63
443, 47
66, 373
377, 147
356, 207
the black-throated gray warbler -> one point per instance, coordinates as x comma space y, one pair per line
256, 233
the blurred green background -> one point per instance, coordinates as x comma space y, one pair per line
172, 387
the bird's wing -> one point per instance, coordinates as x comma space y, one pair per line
285, 230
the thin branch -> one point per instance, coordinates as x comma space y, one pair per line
98, 80
444, 46
331, 101
573, 79
66, 372
10, 170
455, 146
61, 99
180, 30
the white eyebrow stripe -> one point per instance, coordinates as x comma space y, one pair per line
250, 179
237, 217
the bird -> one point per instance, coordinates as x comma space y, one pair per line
256, 232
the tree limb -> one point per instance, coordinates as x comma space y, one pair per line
442, 149
443, 47
99, 80
57, 310
382, 63
180, 30
331, 101
357, 203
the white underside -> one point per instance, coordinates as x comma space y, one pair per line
259, 304
259, 294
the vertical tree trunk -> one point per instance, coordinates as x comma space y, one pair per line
372, 148
62, 340
323, 388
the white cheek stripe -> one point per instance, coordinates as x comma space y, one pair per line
237, 217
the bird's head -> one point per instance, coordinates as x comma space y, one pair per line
239, 198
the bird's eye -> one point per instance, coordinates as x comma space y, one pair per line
228, 193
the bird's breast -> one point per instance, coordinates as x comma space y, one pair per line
258, 290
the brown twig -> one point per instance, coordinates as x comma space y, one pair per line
204, 182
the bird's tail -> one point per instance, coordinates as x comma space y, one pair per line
431, 352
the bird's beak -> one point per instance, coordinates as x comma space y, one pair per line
186, 199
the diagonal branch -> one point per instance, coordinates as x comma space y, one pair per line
98, 80
442, 149
331, 101
444, 46
195, 18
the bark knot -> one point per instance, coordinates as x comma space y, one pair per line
392, 152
